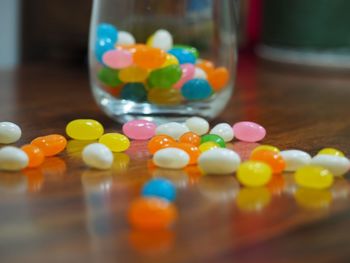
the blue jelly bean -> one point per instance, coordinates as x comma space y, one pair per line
196, 89
101, 47
107, 31
134, 92
160, 187
183, 55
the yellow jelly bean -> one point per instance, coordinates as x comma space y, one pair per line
311, 176
253, 199
133, 74
170, 60
116, 142
149, 41
254, 173
165, 96
267, 148
208, 146
84, 129
312, 198
331, 151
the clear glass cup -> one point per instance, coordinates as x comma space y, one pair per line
201, 89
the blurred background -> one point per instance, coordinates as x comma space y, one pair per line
313, 32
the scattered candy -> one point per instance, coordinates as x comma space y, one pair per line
190, 138
219, 161
295, 159
214, 138
50, 145
223, 130
336, 164
159, 142
9, 132
331, 151
139, 129
12, 159
35, 155
249, 131
116, 142
97, 155
266, 147
208, 146
160, 188
311, 176
172, 158
84, 129
172, 129
273, 159
192, 151
197, 125
254, 173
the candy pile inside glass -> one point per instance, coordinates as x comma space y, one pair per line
192, 145
157, 72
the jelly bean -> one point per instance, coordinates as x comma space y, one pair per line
134, 92
183, 55
253, 199
139, 129
193, 50
219, 161
165, 96
337, 165
208, 146
171, 158
133, 74
196, 89
12, 159
116, 142
295, 159
192, 151
84, 129
223, 130
114, 91
197, 125
162, 39
214, 138
170, 60
331, 151
273, 159
101, 47
266, 147
313, 198
152, 214
159, 142
247, 131
165, 77
200, 74
148, 57
51, 144
311, 176
161, 188
172, 129
125, 38
187, 74
254, 174
9, 132
109, 77
219, 78
117, 59
97, 155
190, 138
107, 31
207, 66
35, 155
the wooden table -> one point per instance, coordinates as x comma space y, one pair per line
64, 212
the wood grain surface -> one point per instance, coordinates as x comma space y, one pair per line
64, 212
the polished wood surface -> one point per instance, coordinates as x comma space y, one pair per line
64, 212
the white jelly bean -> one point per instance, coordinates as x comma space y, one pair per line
224, 130
125, 38
295, 159
97, 155
172, 129
197, 125
219, 161
162, 39
9, 132
335, 164
200, 74
12, 159
171, 158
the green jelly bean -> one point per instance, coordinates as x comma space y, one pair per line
165, 78
193, 50
109, 77
213, 138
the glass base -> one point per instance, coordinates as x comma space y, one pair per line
124, 110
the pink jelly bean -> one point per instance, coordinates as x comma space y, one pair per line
188, 71
139, 129
247, 131
117, 58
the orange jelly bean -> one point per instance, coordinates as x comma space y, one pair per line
273, 159
149, 57
159, 142
207, 66
50, 144
192, 151
191, 138
35, 155
219, 78
152, 214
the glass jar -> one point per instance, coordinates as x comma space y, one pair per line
163, 59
